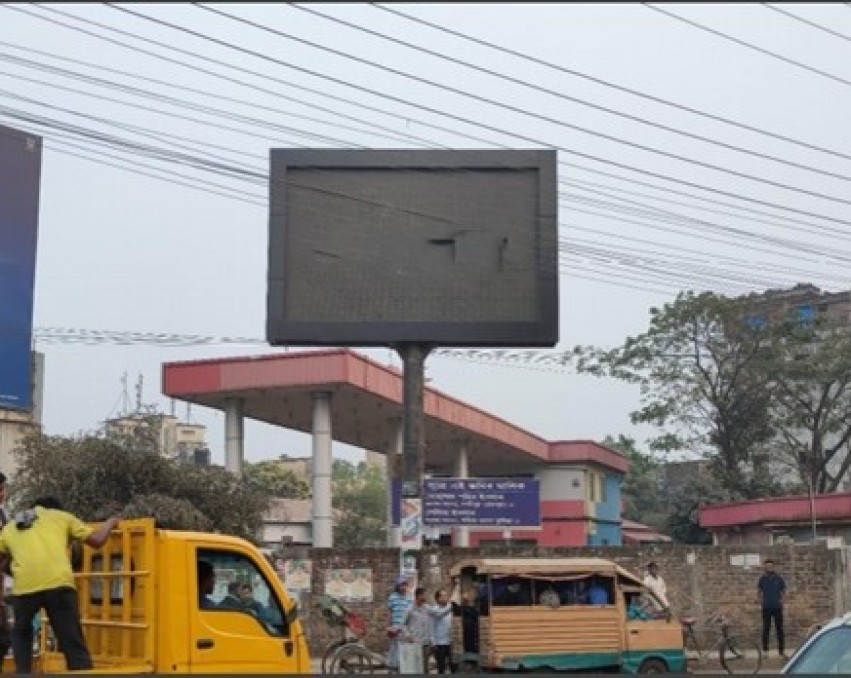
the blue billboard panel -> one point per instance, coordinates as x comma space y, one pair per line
503, 503
20, 175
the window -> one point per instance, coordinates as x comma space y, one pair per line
592, 486
230, 582
829, 653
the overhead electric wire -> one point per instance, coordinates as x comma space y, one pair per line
218, 96
812, 24
561, 95
609, 84
489, 127
420, 122
604, 194
667, 213
465, 93
751, 46
229, 65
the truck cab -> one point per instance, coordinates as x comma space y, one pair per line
144, 608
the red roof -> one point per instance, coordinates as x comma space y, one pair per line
779, 509
368, 396
588, 451
633, 532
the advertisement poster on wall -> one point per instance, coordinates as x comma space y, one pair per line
349, 585
412, 524
298, 575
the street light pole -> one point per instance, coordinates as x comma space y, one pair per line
812, 506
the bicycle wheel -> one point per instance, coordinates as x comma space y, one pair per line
328, 655
352, 659
740, 655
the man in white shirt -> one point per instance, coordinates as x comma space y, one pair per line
656, 585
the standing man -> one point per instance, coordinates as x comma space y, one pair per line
654, 583
37, 542
771, 594
398, 603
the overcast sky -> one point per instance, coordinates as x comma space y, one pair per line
644, 211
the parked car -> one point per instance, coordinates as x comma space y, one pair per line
828, 650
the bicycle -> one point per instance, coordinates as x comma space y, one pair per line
348, 654
737, 654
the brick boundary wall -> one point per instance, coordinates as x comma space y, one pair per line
701, 580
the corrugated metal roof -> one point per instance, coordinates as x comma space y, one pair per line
780, 509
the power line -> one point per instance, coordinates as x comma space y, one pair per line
218, 96
546, 90
749, 45
607, 83
420, 122
467, 94
813, 24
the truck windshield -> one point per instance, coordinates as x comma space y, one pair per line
829, 653
237, 585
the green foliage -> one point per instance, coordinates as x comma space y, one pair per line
699, 371
642, 486
360, 504
95, 476
270, 477
812, 403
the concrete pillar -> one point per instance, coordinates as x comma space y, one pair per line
461, 535
322, 459
234, 435
394, 475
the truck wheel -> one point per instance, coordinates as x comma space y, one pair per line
653, 665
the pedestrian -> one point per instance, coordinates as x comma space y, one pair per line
37, 542
771, 594
654, 583
5, 634
417, 626
441, 631
398, 602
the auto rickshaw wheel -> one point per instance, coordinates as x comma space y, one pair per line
653, 665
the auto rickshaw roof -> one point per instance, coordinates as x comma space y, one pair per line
543, 567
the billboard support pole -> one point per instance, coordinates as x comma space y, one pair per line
413, 357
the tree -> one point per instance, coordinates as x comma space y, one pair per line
641, 491
683, 523
273, 479
96, 475
360, 504
812, 402
698, 368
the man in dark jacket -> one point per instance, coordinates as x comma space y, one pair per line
771, 593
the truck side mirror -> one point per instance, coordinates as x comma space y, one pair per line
292, 614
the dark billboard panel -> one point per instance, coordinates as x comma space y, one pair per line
20, 174
379, 247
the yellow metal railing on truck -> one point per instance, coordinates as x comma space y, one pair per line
117, 602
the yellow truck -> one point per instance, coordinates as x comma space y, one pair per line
144, 609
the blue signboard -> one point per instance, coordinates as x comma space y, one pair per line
503, 503
20, 174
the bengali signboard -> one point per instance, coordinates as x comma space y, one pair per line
501, 503
20, 172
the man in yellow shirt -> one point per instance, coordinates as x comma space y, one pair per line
37, 542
